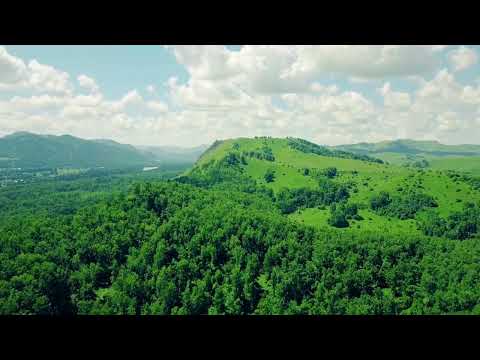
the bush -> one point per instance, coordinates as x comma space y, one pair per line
338, 217
289, 200
269, 176
402, 207
380, 201
330, 172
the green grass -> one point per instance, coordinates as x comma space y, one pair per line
371, 221
285, 176
464, 164
369, 179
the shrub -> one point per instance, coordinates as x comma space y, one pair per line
269, 176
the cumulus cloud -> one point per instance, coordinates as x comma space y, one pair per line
88, 83
362, 61
15, 74
392, 99
240, 85
12, 69
258, 90
463, 58
283, 68
128, 119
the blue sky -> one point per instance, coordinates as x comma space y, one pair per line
117, 69
328, 94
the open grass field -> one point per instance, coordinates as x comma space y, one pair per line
469, 164
369, 178
462, 158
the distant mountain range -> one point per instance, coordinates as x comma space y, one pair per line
173, 154
412, 147
27, 150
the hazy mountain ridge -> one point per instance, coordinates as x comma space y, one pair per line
173, 153
28, 150
408, 146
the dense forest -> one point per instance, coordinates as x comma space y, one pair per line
222, 238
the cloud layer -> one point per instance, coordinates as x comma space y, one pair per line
328, 94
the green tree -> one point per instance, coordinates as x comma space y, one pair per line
269, 176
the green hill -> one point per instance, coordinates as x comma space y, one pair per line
258, 226
405, 146
27, 150
295, 167
465, 158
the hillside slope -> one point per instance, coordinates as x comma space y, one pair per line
27, 150
295, 167
406, 146
258, 226
432, 154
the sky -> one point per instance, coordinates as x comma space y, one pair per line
193, 95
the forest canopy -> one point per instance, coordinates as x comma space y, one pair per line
217, 240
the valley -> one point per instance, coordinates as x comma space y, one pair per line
254, 226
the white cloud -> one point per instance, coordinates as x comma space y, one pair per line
396, 100
273, 69
47, 78
445, 110
463, 58
132, 97
88, 83
364, 61
258, 90
240, 86
12, 69
157, 106
14, 74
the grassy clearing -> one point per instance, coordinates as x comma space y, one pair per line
464, 164
368, 178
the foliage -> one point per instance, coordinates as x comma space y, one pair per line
269, 176
214, 241
459, 225
263, 154
421, 164
329, 192
168, 248
402, 207
341, 213
330, 172
308, 147
338, 217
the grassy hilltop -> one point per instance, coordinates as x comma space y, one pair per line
294, 168
432, 154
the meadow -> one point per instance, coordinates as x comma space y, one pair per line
368, 178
